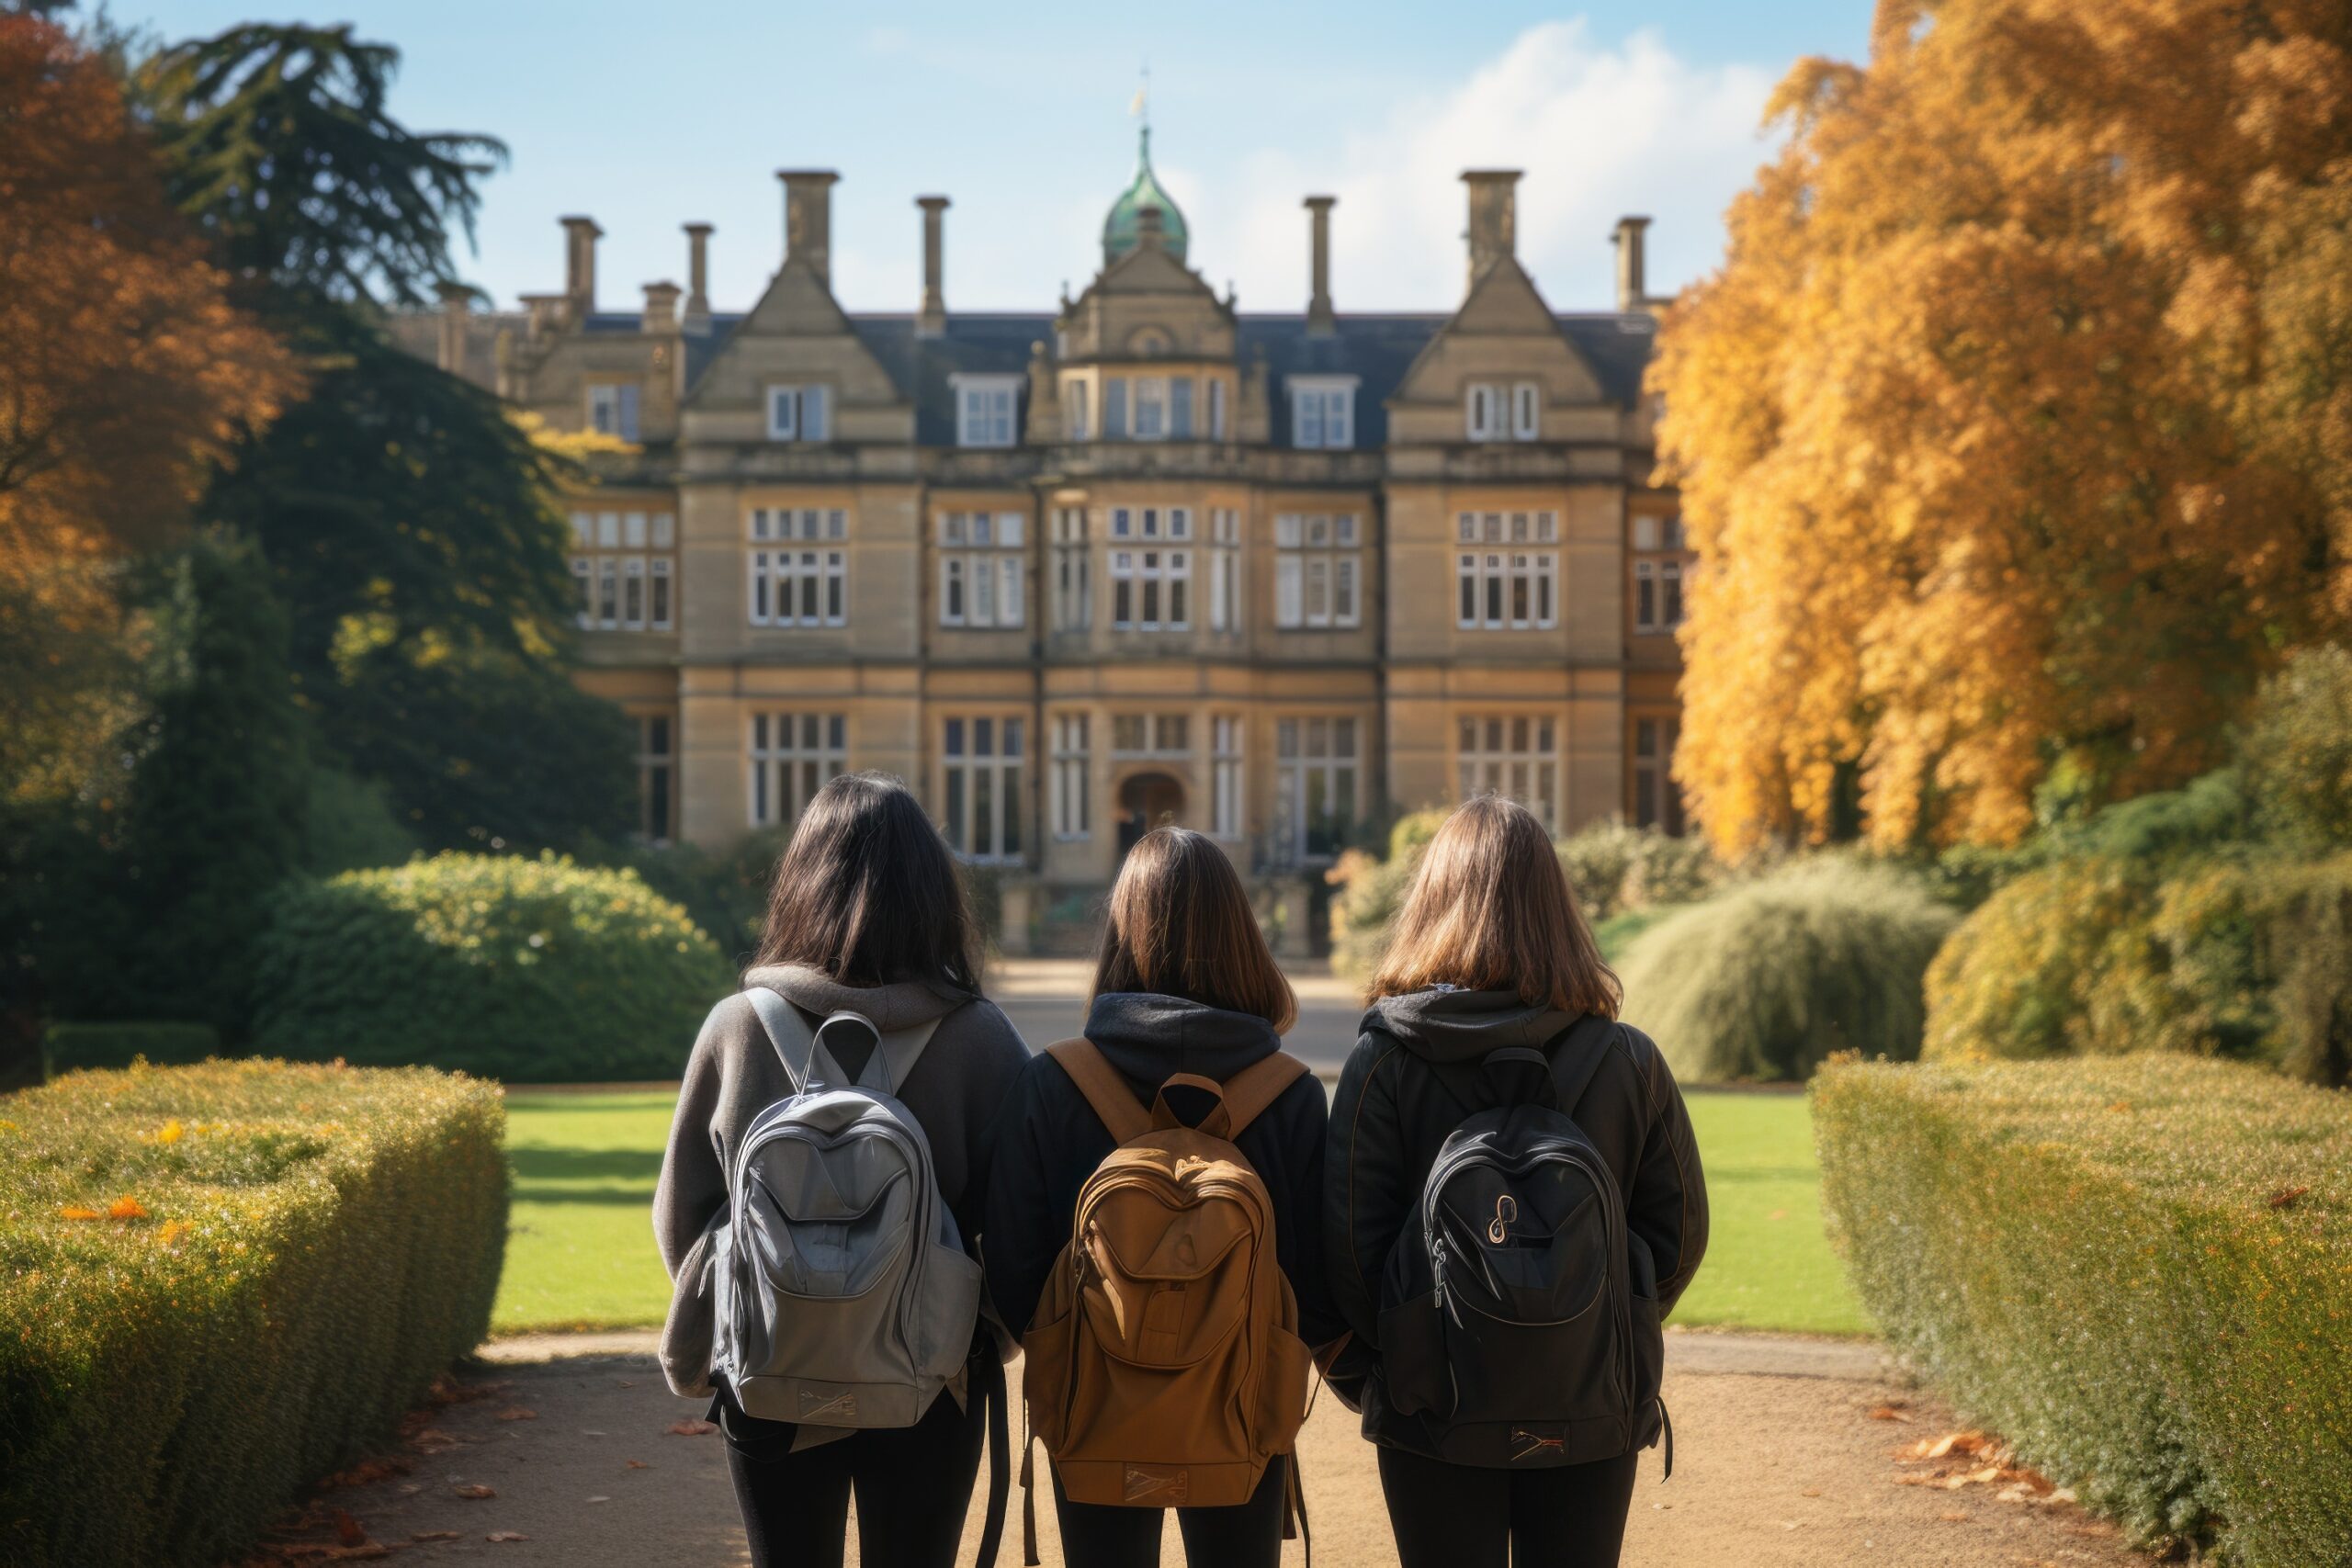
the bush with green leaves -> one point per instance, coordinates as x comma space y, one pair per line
536, 970
223, 1282
2297, 749
1615, 868
2136, 1269
1767, 979
69, 1047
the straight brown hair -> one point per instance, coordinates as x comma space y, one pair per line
868, 893
1491, 910
1181, 925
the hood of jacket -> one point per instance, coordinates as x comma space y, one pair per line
900, 1005
1148, 1037
1461, 1027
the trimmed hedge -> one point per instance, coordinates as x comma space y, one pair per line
1769, 979
68, 1046
2137, 1269
535, 971
219, 1283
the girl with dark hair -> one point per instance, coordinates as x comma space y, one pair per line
1185, 985
1492, 1013
867, 916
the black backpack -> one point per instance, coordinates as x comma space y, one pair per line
1518, 1317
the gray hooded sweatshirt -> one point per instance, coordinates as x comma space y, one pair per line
734, 1073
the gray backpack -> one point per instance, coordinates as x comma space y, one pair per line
843, 1296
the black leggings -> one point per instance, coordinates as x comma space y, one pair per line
1246, 1535
914, 1484
1457, 1516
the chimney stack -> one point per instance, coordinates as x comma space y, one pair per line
1493, 221
579, 237
1632, 283
455, 300
807, 219
1318, 299
698, 319
932, 320
660, 308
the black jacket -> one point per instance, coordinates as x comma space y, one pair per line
1412, 1078
1049, 1141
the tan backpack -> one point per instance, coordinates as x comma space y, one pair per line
1164, 1366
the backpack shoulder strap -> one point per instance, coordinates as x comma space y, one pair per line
1113, 1102
1596, 1037
796, 1043
1256, 1086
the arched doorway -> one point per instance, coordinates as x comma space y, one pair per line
1146, 801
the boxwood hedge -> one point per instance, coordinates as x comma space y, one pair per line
2136, 1268
218, 1282
536, 970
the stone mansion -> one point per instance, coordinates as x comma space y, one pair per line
1144, 557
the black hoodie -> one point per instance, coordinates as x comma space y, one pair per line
1415, 1076
1049, 1141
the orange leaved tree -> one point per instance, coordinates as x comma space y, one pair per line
2015, 433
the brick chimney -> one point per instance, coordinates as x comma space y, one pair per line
1632, 283
579, 237
698, 319
933, 319
808, 221
660, 308
1494, 219
1318, 299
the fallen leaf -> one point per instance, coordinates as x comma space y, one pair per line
347, 1530
475, 1489
517, 1413
1777, 1214
432, 1440
600, 1498
75, 1211
1810, 1492
126, 1208
1954, 1518
433, 1535
690, 1429
2286, 1196
639, 1464
1888, 1413
506, 1535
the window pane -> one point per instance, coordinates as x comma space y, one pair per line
954, 809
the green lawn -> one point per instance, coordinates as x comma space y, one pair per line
582, 1251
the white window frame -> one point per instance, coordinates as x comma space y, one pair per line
1224, 570
1225, 777
1216, 408
1073, 572
613, 409
968, 772
982, 568
796, 570
988, 410
1515, 755
790, 760
1484, 415
799, 411
1510, 587
1314, 748
1151, 590
1318, 572
631, 554
1072, 784
1526, 410
1323, 413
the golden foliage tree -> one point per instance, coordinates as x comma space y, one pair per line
2015, 433
124, 374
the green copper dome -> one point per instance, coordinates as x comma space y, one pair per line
1121, 229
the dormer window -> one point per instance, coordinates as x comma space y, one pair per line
1526, 410
799, 413
1497, 410
985, 408
612, 409
1323, 412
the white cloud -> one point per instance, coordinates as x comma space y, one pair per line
1600, 131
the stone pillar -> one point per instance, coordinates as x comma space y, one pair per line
932, 318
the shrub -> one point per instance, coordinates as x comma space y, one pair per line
2137, 1269
1614, 868
533, 970
1369, 892
725, 893
350, 826
2017, 979
1768, 979
300, 1250
2298, 749
69, 1046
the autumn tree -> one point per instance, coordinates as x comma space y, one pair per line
126, 374
2015, 433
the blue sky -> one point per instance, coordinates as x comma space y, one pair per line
648, 116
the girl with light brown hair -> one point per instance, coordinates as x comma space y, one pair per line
1512, 1202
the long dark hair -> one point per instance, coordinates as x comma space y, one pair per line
867, 892
1491, 910
1181, 925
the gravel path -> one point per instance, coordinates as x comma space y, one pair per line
1784, 1458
